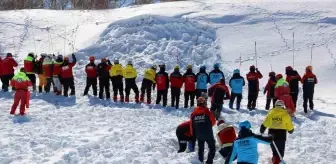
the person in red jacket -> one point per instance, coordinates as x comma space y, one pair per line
8, 65
176, 82
308, 81
1, 74
218, 93
29, 66
269, 89
282, 92
47, 66
67, 75
226, 135
91, 76
253, 87
183, 133
21, 83
189, 79
162, 85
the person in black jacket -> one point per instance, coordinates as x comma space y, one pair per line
270, 90
103, 69
162, 85
293, 78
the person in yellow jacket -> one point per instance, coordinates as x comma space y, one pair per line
116, 73
147, 83
130, 75
278, 122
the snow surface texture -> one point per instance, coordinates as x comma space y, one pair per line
87, 130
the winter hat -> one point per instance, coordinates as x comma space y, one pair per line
271, 74
103, 60
44, 55
177, 67
309, 68
59, 56
201, 101
245, 124
116, 61
91, 58
216, 65
130, 62
9, 55
236, 71
154, 67
203, 67
31, 54
289, 68
163, 65
280, 103
189, 66
252, 68
278, 76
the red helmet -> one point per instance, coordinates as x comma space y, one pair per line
278, 76
91, 58
289, 68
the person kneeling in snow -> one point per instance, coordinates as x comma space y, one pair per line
246, 145
278, 123
184, 136
226, 135
21, 83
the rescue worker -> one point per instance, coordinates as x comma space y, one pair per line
270, 90
189, 79
67, 75
253, 87
39, 71
21, 83
91, 76
162, 85
130, 75
29, 66
293, 78
282, 92
47, 72
103, 74
147, 83
215, 75
184, 137
278, 123
116, 74
202, 121
309, 81
202, 80
176, 82
245, 148
226, 135
8, 65
218, 93
236, 83
57, 74
1, 74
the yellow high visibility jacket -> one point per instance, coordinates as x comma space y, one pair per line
150, 75
129, 72
116, 70
278, 118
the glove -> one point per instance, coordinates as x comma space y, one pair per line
257, 70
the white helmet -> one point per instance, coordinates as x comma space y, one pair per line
280, 103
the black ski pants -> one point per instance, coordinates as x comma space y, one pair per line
162, 94
216, 109
199, 92
91, 82
175, 97
5, 81
252, 100
281, 145
308, 97
68, 83
189, 95
131, 85
268, 102
239, 97
294, 97
32, 79
146, 87
183, 140
226, 153
104, 84
48, 86
212, 150
118, 86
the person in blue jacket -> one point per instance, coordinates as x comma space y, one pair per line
246, 145
215, 75
236, 83
202, 80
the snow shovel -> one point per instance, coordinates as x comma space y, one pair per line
276, 148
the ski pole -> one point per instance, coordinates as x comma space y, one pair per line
276, 148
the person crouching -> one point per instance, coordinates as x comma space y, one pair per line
185, 137
226, 135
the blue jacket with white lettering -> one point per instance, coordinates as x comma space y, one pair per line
202, 79
236, 83
215, 75
246, 146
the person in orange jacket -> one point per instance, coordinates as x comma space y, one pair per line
176, 81
202, 121
269, 89
309, 81
282, 92
189, 79
47, 71
184, 137
21, 83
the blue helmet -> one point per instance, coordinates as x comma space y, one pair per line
216, 65
245, 124
236, 71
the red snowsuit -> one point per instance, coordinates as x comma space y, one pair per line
21, 83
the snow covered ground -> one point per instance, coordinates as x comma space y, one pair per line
87, 130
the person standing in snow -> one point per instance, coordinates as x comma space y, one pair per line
202, 121
282, 92
269, 89
184, 137
278, 123
308, 81
130, 75
116, 74
236, 83
39, 71
91, 76
29, 66
21, 83
103, 74
293, 78
176, 82
245, 148
147, 83
226, 135
215, 75
218, 93
189, 79
8, 65
67, 75
162, 85
1, 74
47, 66
253, 87
202, 80
57, 74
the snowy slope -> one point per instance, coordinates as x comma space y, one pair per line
87, 130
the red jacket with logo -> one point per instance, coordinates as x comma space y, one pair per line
91, 70
20, 85
253, 81
8, 65
218, 93
176, 80
66, 70
162, 81
189, 79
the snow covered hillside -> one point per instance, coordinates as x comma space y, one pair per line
200, 32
